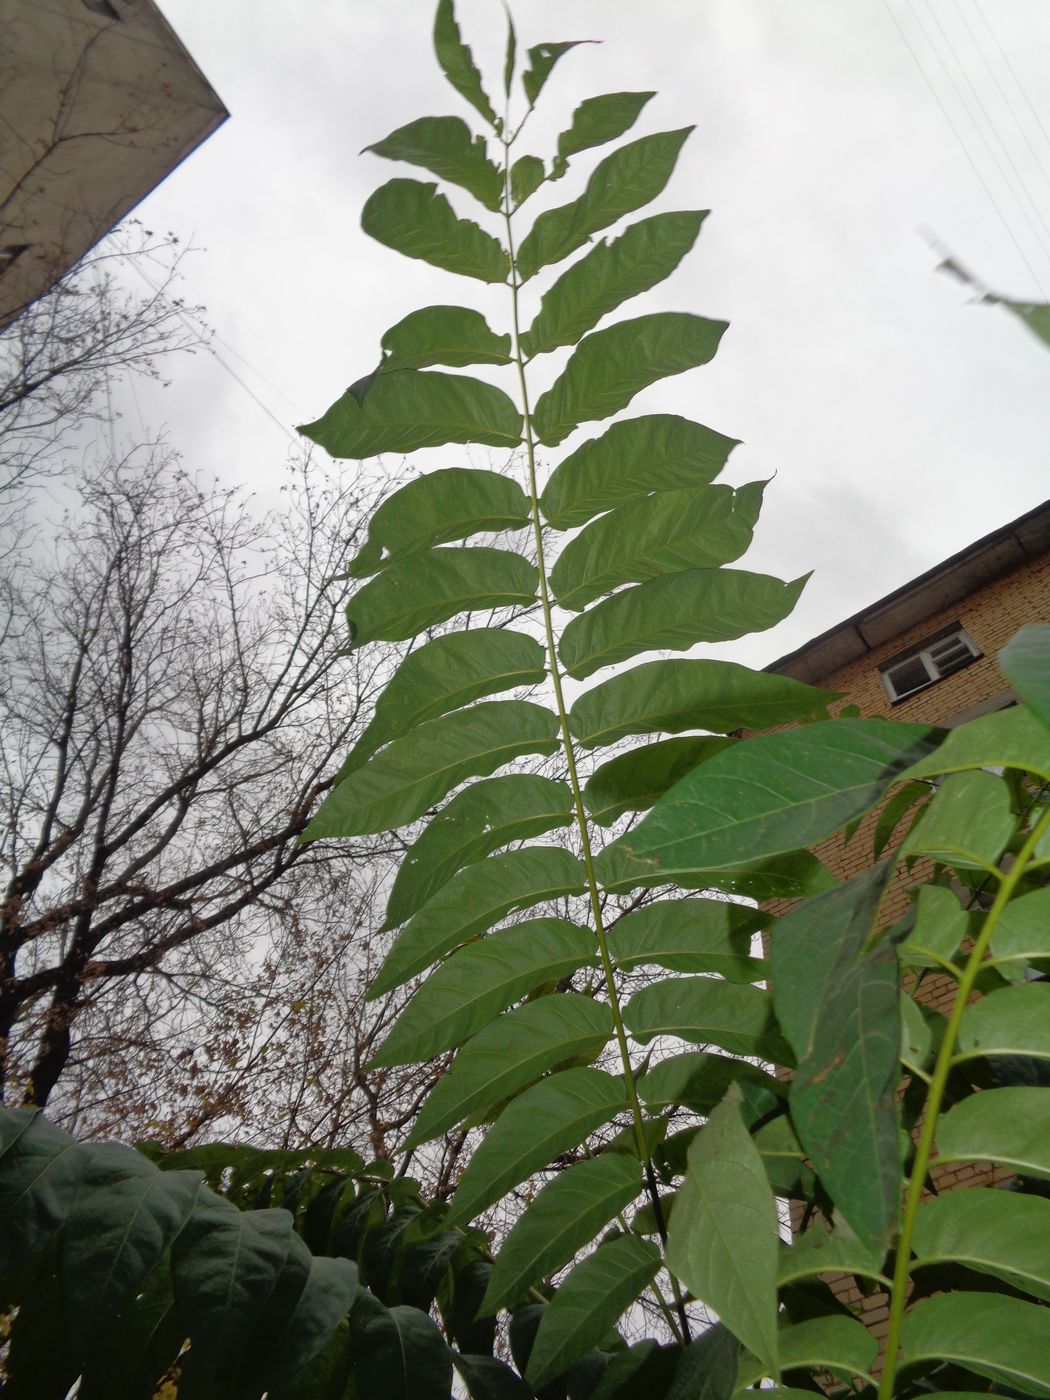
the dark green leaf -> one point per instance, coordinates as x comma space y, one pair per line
674, 613
689, 935
457, 62
415, 219
414, 772
1001, 1338
588, 1302
473, 824
443, 335
633, 782
839, 1007
1025, 661
610, 366
902, 801
1010, 1126
526, 176
511, 57
598, 120
488, 1378
1011, 738
759, 798
608, 275
708, 1366
511, 1053
967, 824
446, 147
793, 875
1011, 1021
659, 452
429, 588
299, 1334
475, 899
150, 1338
567, 1214
542, 58
1023, 930
707, 1011
38, 1366
40, 1168
398, 1352
691, 529
669, 696
481, 980
410, 409
625, 180
552, 1117
698, 1080
996, 1232
723, 1234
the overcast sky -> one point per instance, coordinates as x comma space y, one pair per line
901, 419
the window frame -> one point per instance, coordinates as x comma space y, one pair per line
921, 652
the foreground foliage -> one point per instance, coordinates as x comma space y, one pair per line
572, 1072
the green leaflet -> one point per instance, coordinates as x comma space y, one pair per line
658, 452
1007, 739
41, 1169
669, 696
689, 935
707, 1369
443, 335
1025, 661
150, 1340
815, 1253
707, 1011
448, 149
550, 1118
1010, 1126
691, 529
414, 772
760, 798
509, 1054
566, 1215
610, 366
488, 1378
698, 1080
398, 1353
624, 181
298, 1330
633, 782
967, 824
674, 613
417, 220
839, 1007
542, 58
598, 120
611, 273
588, 1303
833, 1343
409, 409
793, 875
448, 504
457, 62
1001, 1338
469, 990
1010, 1021
472, 901
446, 673
722, 1239
427, 589
526, 176
1035, 315
474, 823
940, 927
996, 1232
1023, 930
511, 57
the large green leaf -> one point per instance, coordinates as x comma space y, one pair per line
690, 529
610, 366
427, 589
475, 899
658, 452
670, 696
448, 504
414, 772
707, 1369
150, 1338
588, 1302
398, 1353
633, 781
566, 1215
473, 824
1010, 1126
1011, 738
510, 1053
457, 62
1025, 661
674, 613
996, 1232
723, 1234
775, 792
689, 935
443, 335
598, 120
552, 1117
625, 180
834, 1343
1023, 930
839, 1007
448, 149
488, 1378
443, 675
1001, 1338
40, 1168
707, 1011
481, 980
415, 219
609, 274
409, 409
967, 824
1010, 1021
698, 1080
542, 58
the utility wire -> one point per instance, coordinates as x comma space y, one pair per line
1013, 73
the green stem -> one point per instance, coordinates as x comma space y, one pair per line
938, 1084
594, 893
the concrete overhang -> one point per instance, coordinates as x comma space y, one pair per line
99, 101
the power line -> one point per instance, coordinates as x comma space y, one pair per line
1006, 59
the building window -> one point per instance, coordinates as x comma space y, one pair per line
930, 661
